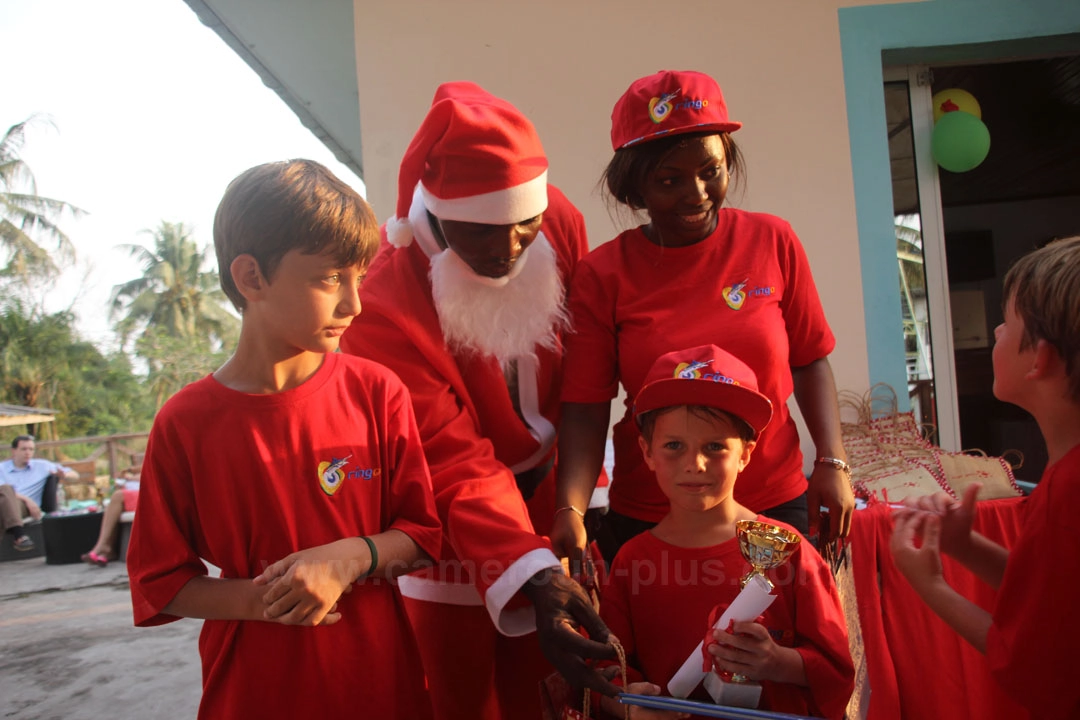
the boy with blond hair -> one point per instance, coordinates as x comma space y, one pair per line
700, 414
296, 470
1031, 638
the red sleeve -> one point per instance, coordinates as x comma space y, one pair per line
161, 556
821, 635
591, 373
809, 336
484, 517
1035, 631
412, 504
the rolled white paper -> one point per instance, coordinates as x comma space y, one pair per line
753, 600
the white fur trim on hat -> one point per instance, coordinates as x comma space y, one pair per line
399, 232
500, 207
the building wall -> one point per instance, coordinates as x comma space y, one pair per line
565, 63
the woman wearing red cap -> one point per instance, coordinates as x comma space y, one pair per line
696, 273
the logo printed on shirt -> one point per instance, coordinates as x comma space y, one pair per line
331, 476
734, 295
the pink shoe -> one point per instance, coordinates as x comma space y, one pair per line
93, 558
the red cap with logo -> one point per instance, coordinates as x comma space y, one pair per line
706, 376
671, 102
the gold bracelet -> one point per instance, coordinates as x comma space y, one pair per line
569, 507
836, 463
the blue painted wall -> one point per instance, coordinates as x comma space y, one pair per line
865, 32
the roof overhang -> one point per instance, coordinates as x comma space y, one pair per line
19, 415
305, 53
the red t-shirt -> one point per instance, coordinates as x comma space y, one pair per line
1035, 634
747, 288
239, 480
658, 598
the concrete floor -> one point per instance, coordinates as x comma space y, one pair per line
68, 648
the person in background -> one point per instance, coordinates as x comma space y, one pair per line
1030, 638
697, 272
124, 498
466, 304
28, 489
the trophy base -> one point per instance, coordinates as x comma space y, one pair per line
744, 694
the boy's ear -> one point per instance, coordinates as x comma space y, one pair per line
247, 276
1046, 362
748, 448
644, 445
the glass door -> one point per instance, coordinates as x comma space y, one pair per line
920, 256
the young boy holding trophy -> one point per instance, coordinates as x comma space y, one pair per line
1031, 638
699, 414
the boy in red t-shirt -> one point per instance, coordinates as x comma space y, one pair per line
296, 470
1032, 636
699, 414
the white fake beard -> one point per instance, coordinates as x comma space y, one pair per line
505, 317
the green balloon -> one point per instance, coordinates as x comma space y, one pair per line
960, 141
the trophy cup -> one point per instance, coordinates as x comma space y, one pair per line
764, 546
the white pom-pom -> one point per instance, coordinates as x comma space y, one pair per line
399, 232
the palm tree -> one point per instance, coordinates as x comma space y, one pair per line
26, 217
174, 295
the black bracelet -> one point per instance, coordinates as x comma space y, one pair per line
374, 557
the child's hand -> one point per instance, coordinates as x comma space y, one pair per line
920, 565
956, 517
303, 588
751, 651
640, 713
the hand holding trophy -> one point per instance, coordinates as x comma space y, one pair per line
764, 546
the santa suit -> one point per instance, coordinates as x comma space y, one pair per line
747, 289
1035, 632
475, 442
658, 598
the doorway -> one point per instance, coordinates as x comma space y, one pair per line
957, 234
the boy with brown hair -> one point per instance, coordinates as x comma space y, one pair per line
1032, 635
296, 470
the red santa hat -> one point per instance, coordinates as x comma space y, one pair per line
476, 159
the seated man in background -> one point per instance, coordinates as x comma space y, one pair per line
27, 489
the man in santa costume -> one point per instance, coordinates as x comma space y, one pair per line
466, 303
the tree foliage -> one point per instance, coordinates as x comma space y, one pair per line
174, 295
28, 220
44, 363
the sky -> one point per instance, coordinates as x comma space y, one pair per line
151, 116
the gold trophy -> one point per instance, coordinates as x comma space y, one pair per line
764, 546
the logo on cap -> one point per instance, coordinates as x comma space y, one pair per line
689, 371
660, 108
